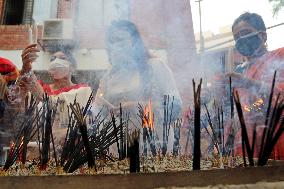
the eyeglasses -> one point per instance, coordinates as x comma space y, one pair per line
54, 57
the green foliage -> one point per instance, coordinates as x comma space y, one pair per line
277, 6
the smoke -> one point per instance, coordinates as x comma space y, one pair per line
136, 74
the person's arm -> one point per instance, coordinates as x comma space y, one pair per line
27, 81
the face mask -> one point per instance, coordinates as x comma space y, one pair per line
59, 68
248, 46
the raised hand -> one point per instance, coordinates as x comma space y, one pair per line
29, 55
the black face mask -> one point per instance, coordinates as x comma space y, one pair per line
248, 45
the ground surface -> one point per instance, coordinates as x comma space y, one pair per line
260, 185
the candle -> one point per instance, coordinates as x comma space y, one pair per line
35, 34
30, 35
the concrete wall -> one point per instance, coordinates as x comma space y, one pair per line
237, 176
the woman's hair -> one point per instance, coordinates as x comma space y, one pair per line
68, 53
252, 19
140, 53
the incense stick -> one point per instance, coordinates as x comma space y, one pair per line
197, 110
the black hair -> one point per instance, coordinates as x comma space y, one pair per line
140, 52
252, 19
66, 51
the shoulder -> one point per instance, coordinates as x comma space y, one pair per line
277, 53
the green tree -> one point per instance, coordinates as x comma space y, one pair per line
277, 5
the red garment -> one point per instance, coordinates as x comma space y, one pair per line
263, 70
50, 92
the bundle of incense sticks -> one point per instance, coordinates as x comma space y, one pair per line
77, 120
123, 144
28, 129
217, 128
176, 143
72, 137
214, 137
148, 133
99, 143
81, 121
168, 112
274, 129
46, 135
190, 120
98, 139
245, 140
197, 111
229, 145
134, 152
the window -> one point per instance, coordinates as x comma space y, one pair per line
13, 12
18, 12
44, 9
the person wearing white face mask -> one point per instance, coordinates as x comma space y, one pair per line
61, 69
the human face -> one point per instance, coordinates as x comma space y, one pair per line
120, 48
59, 67
249, 41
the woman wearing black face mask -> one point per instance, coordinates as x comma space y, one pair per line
254, 81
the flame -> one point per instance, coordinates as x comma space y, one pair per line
148, 117
246, 108
258, 102
256, 106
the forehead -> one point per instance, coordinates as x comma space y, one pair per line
243, 28
58, 54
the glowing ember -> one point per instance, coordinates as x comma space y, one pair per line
246, 108
256, 106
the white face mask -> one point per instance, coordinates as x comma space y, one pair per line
59, 68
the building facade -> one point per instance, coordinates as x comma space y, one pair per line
165, 26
